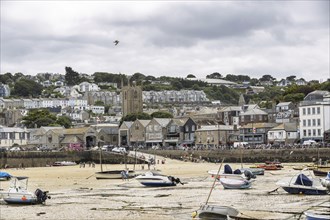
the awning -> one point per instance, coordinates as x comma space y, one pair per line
171, 140
154, 141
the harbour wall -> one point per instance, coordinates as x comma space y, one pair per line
40, 159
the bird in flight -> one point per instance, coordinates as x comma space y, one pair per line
116, 42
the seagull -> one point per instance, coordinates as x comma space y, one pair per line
116, 42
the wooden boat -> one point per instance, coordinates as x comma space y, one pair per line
4, 176
269, 167
18, 193
301, 184
320, 172
235, 183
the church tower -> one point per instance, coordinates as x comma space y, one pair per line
131, 99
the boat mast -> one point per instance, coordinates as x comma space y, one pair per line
100, 156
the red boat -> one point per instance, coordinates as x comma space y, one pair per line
269, 167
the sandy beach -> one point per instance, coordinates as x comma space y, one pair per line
76, 194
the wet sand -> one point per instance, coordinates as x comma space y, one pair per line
76, 194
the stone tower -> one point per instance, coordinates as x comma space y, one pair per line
131, 99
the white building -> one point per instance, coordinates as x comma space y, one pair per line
314, 113
11, 136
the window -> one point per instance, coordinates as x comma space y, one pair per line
304, 111
314, 122
309, 122
304, 132
313, 111
318, 110
318, 122
304, 123
318, 132
309, 132
193, 128
314, 132
12, 135
308, 111
187, 128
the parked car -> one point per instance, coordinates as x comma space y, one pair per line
107, 147
14, 149
119, 150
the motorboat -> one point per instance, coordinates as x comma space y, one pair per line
64, 163
4, 176
235, 183
215, 212
156, 179
18, 193
302, 184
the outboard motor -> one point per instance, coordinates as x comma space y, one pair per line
249, 175
41, 196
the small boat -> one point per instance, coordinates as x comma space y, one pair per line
269, 167
18, 193
320, 172
301, 184
155, 179
326, 181
64, 163
113, 174
215, 212
317, 214
254, 171
235, 183
275, 162
4, 176
228, 173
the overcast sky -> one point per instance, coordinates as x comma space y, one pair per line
171, 38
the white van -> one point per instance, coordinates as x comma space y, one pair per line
309, 142
240, 144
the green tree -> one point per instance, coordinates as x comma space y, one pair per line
295, 97
36, 118
99, 103
161, 114
191, 76
26, 87
134, 116
215, 75
64, 121
71, 77
266, 78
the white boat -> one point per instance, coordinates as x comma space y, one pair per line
235, 183
326, 181
18, 193
113, 174
155, 179
215, 212
302, 184
228, 173
64, 163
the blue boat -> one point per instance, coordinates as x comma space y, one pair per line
4, 176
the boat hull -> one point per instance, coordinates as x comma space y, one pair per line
235, 184
216, 212
316, 216
23, 197
113, 174
151, 183
305, 191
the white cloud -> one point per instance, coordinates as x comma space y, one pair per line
167, 38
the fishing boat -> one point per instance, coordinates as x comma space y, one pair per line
235, 183
64, 163
215, 212
301, 184
18, 193
156, 179
4, 176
